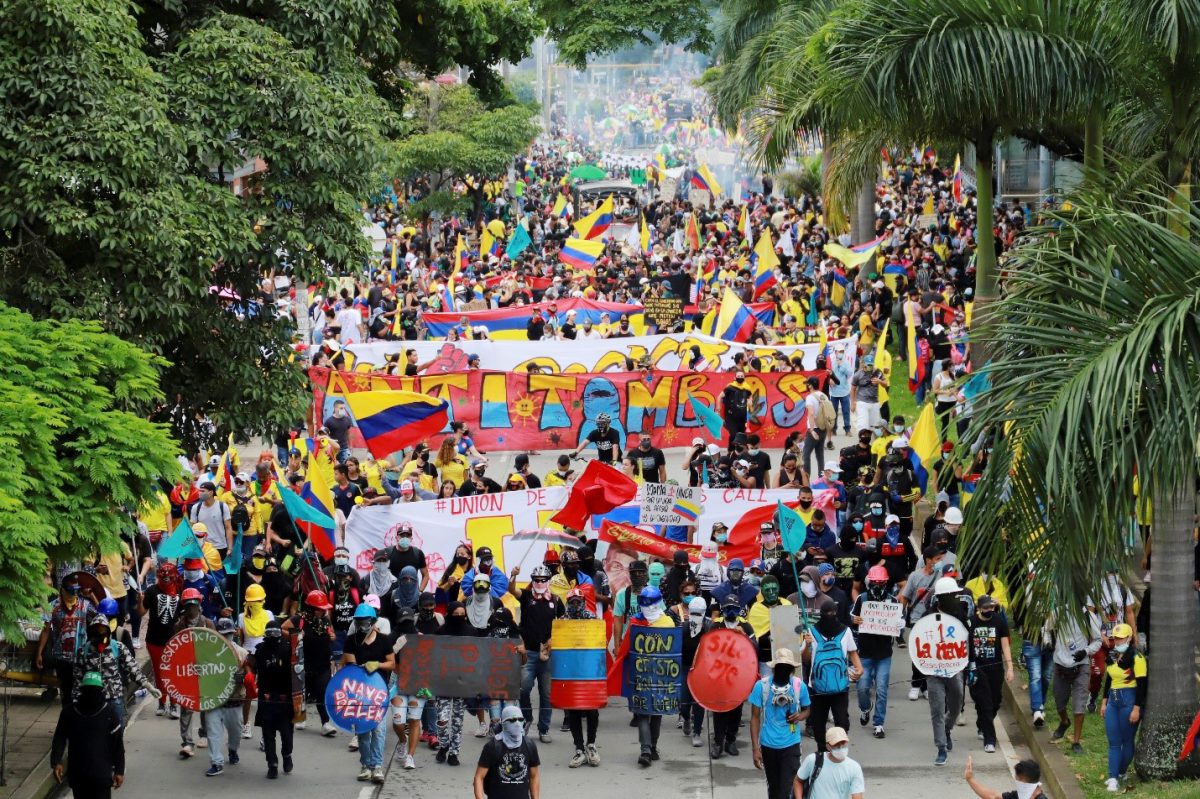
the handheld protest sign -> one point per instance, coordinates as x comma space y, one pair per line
881, 618
653, 672
198, 669
464, 667
356, 700
577, 664
786, 630
724, 671
937, 645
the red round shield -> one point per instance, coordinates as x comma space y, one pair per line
724, 671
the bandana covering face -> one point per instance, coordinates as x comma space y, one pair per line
696, 609
512, 732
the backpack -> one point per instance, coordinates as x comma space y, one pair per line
826, 415
239, 516
828, 665
818, 761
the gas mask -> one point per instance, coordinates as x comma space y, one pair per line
876, 590
735, 576
363, 626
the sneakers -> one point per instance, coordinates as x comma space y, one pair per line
941, 758
364, 775
287, 764
863, 717
989, 748
441, 755
593, 757
979, 734
353, 745
301, 725
174, 712
482, 731
878, 731
654, 754
714, 751
409, 763
578, 760
434, 743
1077, 749
697, 741
137, 643
949, 742
233, 758
185, 751
377, 775
544, 737
731, 748
202, 743
679, 723
246, 731
272, 773
328, 730
1059, 732
215, 770
162, 710
1039, 719
914, 694
687, 728
452, 759
1112, 785
1091, 705
644, 760
564, 727
962, 720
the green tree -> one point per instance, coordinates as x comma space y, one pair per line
1094, 380
77, 452
582, 30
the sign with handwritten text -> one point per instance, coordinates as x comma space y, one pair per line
449, 666
356, 699
938, 645
882, 618
654, 670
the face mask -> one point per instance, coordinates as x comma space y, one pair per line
752, 451
512, 732
258, 563
808, 589
840, 753
732, 623
485, 566
425, 613
340, 561
380, 569
806, 503
858, 526
897, 428
782, 675
1025, 789
876, 590
893, 530
768, 541
876, 511
192, 575
735, 576
741, 380
363, 626
827, 580
404, 542
655, 579
986, 616
1121, 649
653, 612
721, 538
695, 622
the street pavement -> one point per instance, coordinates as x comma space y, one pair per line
899, 765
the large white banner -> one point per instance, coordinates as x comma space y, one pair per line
490, 520
667, 352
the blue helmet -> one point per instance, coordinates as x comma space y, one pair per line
649, 596
365, 611
108, 607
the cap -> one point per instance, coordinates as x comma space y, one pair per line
484, 553
892, 519
835, 736
1120, 630
208, 485
241, 477
784, 657
697, 441
901, 442
92, 680
947, 446
226, 626
756, 564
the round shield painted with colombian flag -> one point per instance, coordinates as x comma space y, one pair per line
356, 700
198, 669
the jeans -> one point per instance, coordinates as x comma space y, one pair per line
1037, 663
648, 729
370, 744
814, 445
780, 767
1119, 730
185, 727
224, 724
691, 710
538, 669
315, 683
986, 693
841, 410
945, 701
496, 709
877, 671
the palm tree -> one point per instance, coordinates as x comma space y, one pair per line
1095, 379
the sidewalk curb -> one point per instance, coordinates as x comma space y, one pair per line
1058, 777
39, 787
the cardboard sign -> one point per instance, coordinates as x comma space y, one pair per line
356, 700
724, 671
938, 645
663, 503
881, 618
198, 669
654, 670
663, 312
786, 630
577, 664
452, 666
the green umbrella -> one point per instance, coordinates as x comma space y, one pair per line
588, 172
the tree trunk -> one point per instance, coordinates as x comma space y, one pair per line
1171, 704
1093, 145
864, 219
985, 240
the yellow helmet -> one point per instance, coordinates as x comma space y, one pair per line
1122, 631
255, 593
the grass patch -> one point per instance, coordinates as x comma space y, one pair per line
1091, 767
900, 399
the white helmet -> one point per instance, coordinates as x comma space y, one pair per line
945, 585
953, 516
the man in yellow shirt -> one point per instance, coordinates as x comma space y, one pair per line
155, 513
562, 475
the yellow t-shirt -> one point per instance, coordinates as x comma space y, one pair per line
979, 586
866, 330
455, 470
1119, 678
760, 616
424, 480
256, 521
156, 513
114, 581
552, 479
262, 510
374, 474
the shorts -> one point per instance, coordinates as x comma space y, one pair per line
407, 708
1072, 681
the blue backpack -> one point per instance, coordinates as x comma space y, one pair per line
829, 665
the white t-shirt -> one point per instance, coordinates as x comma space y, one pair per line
836, 780
214, 518
348, 319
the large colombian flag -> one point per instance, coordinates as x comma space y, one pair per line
392, 420
320, 526
577, 664
735, 322
581, 254
597, 223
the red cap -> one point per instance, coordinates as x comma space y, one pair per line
947, 446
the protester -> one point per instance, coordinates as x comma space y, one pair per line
1124, 695
778, 705
90, 730
830, 773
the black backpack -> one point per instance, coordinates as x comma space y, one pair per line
816, 772
239, 516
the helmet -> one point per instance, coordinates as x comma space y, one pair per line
603, 419
551, 557
191, 595
365, 611
649, 596
317, 599
540, 572
945, 585
108, 607
569, 556
255, 593
953, 516
877, 574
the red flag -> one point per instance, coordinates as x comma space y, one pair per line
597, 491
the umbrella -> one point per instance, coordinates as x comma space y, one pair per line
547, 536
588, 172
496, 228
